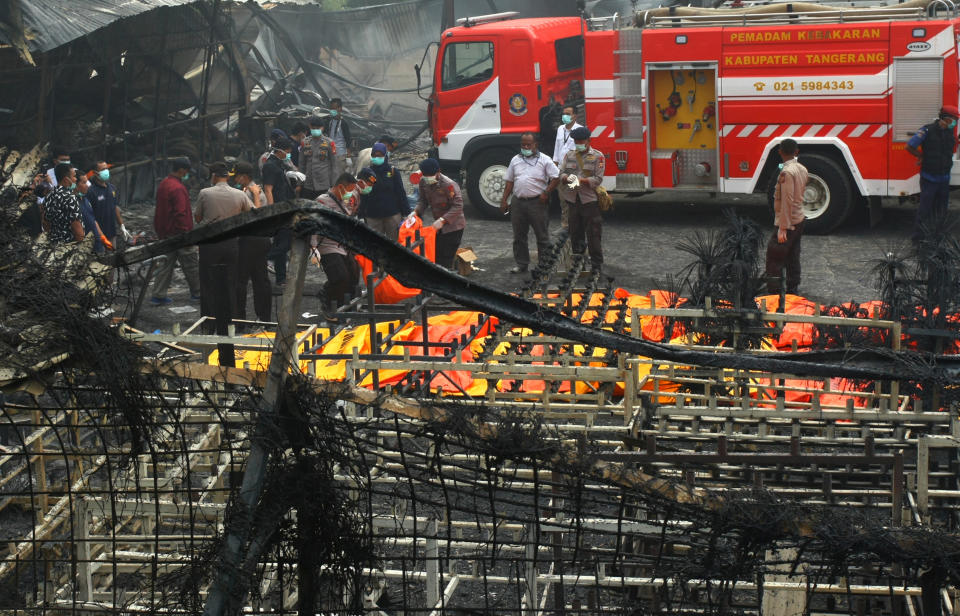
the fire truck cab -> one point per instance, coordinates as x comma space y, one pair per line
700, 101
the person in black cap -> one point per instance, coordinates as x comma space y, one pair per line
581, 172
442, 196
219, 260
363, 157
276, 188
276, 135
385, 204
172, 217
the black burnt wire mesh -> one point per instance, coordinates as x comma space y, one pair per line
121, 478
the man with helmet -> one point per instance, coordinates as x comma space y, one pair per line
933, 145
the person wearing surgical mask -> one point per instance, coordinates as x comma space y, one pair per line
933, 145
337, 262
102, 196
338, 129
386, 204
562, 145
317, 160
442, 196
581, 172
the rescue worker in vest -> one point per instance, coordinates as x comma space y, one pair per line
385, 204
317, 161
252, 266
172, 217
783, 248
933, 145
442, 196
531, 176
339, 266
562, 145
580, 173
216, 203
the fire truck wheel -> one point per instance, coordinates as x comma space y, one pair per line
828, 197
485, 181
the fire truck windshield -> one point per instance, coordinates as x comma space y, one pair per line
465, 64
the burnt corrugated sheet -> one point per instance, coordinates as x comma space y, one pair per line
52, 23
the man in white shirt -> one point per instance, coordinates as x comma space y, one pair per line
564, 144
530, 178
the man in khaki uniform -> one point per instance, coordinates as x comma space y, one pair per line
783, 248
317, 161
581, 172
216, 203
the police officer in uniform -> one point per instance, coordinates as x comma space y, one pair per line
581, 172
215, 203
317, 161
933, 145
442, 196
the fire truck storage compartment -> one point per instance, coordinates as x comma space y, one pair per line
682, 102
666, 168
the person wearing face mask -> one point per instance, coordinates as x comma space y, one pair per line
580, 174
62, 218
338, 129
363, 156
253, 250
90, 224
298, 133
173, 216
317, 161
60, 155
385, 204
276, 135
783, 248
442, 195
338, 265
562, 145
933, 145
531, 177
103, 198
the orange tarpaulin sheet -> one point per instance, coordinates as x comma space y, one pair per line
388, 290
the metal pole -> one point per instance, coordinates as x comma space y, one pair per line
225, 597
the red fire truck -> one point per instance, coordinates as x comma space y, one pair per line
699, 101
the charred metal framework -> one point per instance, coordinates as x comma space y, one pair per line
597, 473
139, 83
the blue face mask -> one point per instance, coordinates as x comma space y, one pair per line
316, 132
377, 160
238, 186
566, 118
526, 152
104, 174
334, 112
952, 124
73, 186
186, 176
287, 157
366, 190
347, 195
581, 147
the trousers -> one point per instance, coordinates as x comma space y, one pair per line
342, 274
524, 214
446, 247
786, 255
934, 197
252, 268
279, 249
227, 254
187, 259
586, 227
389, 226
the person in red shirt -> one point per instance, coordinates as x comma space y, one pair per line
172, 217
